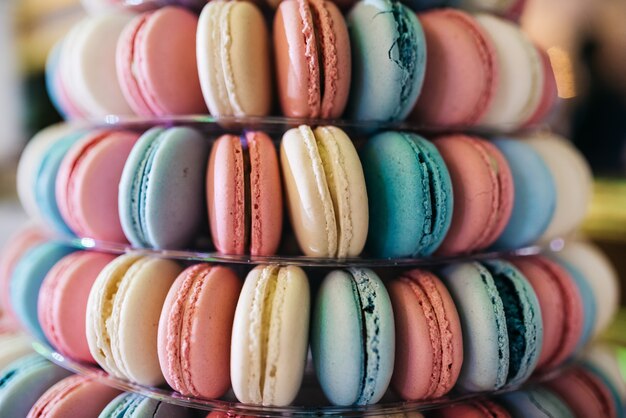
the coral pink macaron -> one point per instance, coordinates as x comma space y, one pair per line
561, 305
87, 184
195, 330
429, 341
156, 63
483, 190
244, 194
313, 61
62, 303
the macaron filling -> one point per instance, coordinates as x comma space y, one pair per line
404, 53
247, 190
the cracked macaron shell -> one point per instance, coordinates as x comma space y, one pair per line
483, 189
429, 339
353, 337
123, 313
270, 336
410, 195
161, 198
234, 64
313, 59
195, 330
388, 60
244, 194
325, 191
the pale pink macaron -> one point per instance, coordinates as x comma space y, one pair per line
483, 189
462, 70
17, 245
62, 303
87, 184
156, 63
195, 330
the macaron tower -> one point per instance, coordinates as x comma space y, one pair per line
303, 208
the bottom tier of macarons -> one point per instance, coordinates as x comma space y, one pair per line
415, 335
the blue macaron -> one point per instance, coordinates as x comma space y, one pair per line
26, 280
388, 60
162, 189
410, 195
131, 405
501, 323
24, 381
535, 403
535, 195
353, 337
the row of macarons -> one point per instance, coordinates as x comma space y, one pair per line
382, 63
472, 327
34, 388
398, 195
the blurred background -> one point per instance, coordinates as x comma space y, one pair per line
585, 39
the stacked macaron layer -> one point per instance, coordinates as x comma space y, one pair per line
392, 195
375, 61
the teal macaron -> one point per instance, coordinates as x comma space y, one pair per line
24, 381
353, 337
26, 280
388, 60
410, 195
132, 405
161, 194
501, 323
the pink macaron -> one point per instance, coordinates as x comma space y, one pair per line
156, 63
585, 392
483, 189
244, 194
561, 305
62, 303
195, 330
87, 184
461, 70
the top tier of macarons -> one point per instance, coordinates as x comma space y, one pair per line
377, 61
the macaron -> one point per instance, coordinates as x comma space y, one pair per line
234, 61
88, 65
482, 408
13, 346
24, 381
573, 179
483, 189
605, 361
584, 392
313, 58
28, 275
161, 201
353, 337
270, 336
132, 405
123, 313
19, 243
325, 191
62, 302
501, 322
420, 5
156, 63
520, 86
87, 184
54, 88
195, 330
538, 402
549, 93
535, 195
72, 397
410, 195
244, 194
561, 306
429, 339
600, 274
388, 60
459, 48
509, 8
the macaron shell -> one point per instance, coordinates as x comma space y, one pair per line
483, 190
234, 59
87, 184
585, 393
429, 341
482, 408
459, 48
535, 403
549, 93
62, 304
14, 346
195, 331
